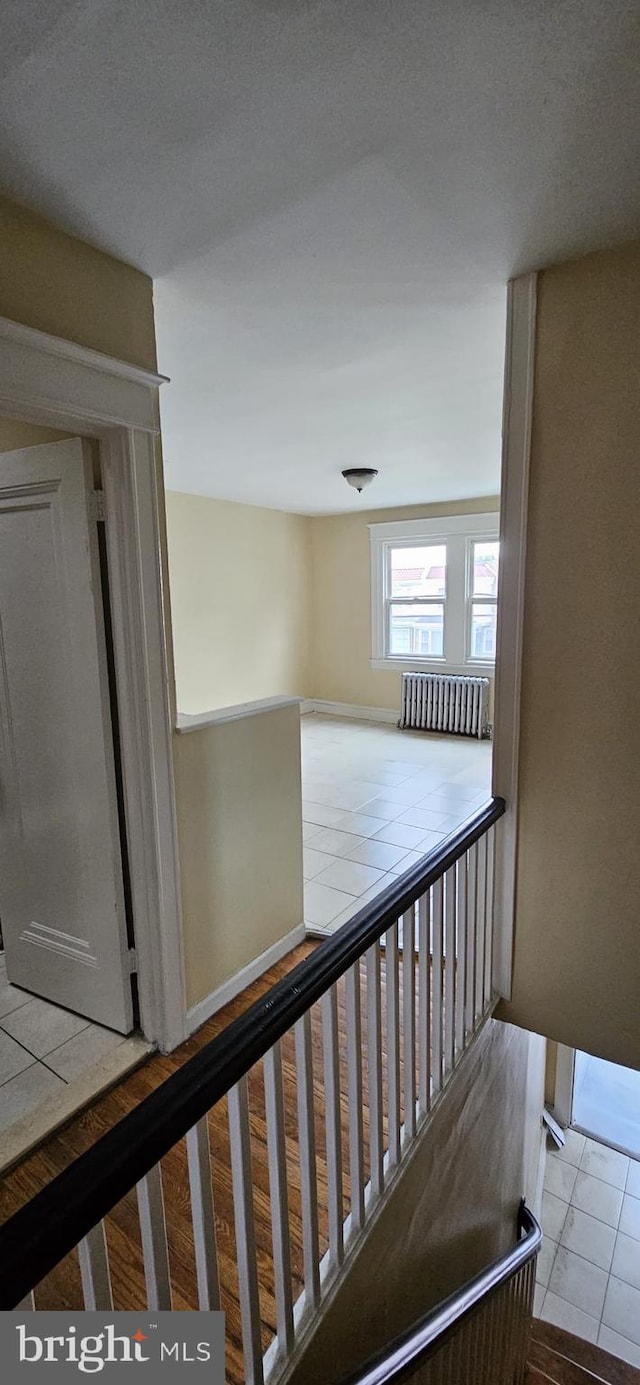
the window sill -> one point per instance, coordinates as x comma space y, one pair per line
410, 665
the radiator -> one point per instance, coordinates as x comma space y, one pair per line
438, 702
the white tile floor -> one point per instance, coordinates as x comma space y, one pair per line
42, 1049
588, 1273
375, 800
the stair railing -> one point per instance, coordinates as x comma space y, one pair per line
410, 979
477, 1336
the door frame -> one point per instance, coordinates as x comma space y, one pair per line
48, 380
563, 1085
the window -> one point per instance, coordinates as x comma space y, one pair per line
483, 584
416, 582
434, 588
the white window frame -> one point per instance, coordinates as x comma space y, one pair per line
473, 600
458, 532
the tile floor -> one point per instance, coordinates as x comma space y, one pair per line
376, 799
42, 1049
588, 1275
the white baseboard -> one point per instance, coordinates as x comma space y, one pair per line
347, 709
204, 1009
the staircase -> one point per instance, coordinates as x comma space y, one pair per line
247, 1180
557, 1356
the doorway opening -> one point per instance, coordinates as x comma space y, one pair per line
606, 1103
598, 1098
68, 1008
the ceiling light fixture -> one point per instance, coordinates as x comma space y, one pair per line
359, 476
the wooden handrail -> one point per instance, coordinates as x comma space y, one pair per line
48, 1227
400, 1360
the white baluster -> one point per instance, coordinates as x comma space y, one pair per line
488, 932
472, 939
278, 1194
94, 1271
450, 969
242, 1177
436, 991
27, 1304
461, 951
424, 1002
374, 1060
393, 1043
409, 1020
354, 1078
203, 1217
153, 1230
331, 1054
307, 1145
481, 898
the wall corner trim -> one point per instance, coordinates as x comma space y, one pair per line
198, 721
204, 1009
516, 453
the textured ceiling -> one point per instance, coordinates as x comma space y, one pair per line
331, 197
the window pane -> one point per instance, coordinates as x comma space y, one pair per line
419, 571
483, 631
417, 630
485, 568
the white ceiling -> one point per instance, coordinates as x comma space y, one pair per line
331, 196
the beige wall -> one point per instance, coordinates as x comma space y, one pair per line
577, 944
61, 285
14, 435
301, 585
453, 1209
239, 811
341, 603
240, 598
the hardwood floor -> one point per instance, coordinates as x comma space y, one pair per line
62, 1288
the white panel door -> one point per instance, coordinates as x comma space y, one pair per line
61, 890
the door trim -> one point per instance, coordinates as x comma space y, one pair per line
516, 451
49, 381
18, 333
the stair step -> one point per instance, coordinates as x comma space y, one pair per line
552, 1365
568, 1360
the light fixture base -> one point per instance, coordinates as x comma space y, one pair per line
359, 476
